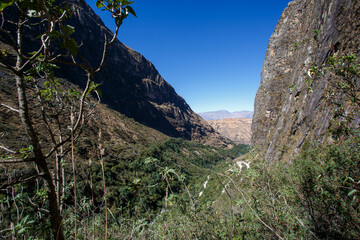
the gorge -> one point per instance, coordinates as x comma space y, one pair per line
144, 165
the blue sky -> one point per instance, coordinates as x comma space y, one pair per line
210, 51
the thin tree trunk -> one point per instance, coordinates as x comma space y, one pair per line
55, 216
40, 160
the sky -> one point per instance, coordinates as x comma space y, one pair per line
210, 51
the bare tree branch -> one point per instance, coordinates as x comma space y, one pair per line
11, 108
11, 161
6, 149
6, 185
106, 46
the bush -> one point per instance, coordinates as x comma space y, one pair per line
316, 197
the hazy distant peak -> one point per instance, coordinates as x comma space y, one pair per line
222, 114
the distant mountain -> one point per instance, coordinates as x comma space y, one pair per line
222, 114
237, 130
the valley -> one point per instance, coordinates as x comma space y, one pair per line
96, 144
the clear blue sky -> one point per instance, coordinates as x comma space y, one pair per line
210, 51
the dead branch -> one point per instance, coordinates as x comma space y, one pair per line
17, 160
6, 149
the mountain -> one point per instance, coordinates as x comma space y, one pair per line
118, 131
222, 114
237, 130
291, 106
130, 84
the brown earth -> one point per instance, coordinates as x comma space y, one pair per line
237, 130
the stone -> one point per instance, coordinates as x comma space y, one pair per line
287, 113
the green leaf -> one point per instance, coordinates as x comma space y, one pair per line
150, 160
136, 180
352, 192
119, 21
98, 91
126, 2
55, 35
170, 170
67, 30
72, 45
5, 3
99, 4
131, 10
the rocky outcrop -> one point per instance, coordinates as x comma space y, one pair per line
130, 83
289, 107
237, 130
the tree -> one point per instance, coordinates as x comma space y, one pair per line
62, 112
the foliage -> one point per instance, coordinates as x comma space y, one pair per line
315, 197
342, 72
62, 113
140, 188
160, 184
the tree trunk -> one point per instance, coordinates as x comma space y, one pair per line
40, 161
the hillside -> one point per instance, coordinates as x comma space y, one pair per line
130, 84
135, 88
237, 130
125, 146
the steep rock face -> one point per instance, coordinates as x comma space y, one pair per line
237, 130
130, 83
287, 113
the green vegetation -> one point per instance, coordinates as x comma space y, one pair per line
168, 175
62, 114
174, 189
315, 197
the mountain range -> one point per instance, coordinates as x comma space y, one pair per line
222, 114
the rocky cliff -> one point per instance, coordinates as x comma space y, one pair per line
290, 108
130, 83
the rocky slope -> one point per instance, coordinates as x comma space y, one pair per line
118, 131
289, 107
237, 130
130, 84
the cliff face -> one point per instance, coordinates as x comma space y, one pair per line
287, 113
130, 83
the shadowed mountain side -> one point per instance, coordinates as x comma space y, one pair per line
130, 83
118, 131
